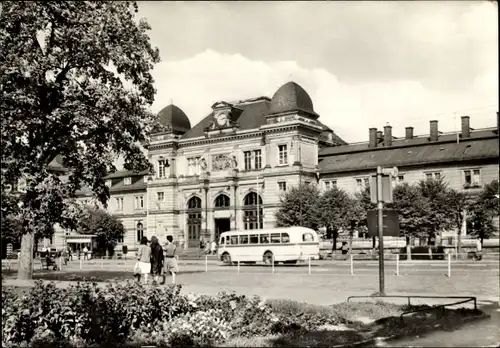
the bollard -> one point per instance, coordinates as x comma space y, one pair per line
449, 265
352, 264
60, 263
80, 263
397, 265
238, 267
272, 262
309, 265
206, 263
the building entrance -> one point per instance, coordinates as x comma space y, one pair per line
221, 225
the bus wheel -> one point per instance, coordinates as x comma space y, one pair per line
226, 258
268, 258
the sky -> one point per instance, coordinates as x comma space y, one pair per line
364, 64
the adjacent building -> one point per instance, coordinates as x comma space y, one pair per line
228, 171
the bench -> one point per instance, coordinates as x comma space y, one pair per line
49, 262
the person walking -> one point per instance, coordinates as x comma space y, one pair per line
213, 247
85, 253
157, 259
170, 261
144, 258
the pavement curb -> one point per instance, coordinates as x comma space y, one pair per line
371, 341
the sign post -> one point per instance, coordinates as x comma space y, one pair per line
380, 213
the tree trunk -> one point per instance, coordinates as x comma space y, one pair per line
25, 268
463, 225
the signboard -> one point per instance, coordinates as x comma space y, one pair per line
386, 188
390, 219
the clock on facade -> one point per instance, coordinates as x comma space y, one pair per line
221, 118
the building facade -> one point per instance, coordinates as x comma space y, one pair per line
228, 171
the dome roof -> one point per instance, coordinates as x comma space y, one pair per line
172, 116
291, 97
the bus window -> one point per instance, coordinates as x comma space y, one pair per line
234, 240
285, 238
307, 237
244, 239
254, 239
264, 238
275, 238
222, 240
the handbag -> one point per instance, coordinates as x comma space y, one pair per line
137, 269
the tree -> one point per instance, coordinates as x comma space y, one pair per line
336, 210
76, 82
364, 204
297, 207
108, 228
483, 210
412, 209
438, 218
458, 204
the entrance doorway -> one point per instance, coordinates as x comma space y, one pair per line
221, 225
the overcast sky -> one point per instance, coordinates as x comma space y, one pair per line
364, 64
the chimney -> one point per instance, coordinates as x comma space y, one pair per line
434, 130
409, 133
387, 136
373, 137
465, 127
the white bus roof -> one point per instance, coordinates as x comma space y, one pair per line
292, 229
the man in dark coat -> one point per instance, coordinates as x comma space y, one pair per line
157, 259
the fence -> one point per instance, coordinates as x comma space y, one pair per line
354, 264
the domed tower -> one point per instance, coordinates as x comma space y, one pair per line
292, 98
171, 119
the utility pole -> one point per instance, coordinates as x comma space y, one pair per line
258, 208
380, 208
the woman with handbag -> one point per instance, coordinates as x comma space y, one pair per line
144, 258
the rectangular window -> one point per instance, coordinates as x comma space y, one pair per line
248, 160
437, 176
275, 238
282, 186
119, 203
258, 159
476, 177
264, 239
162, 165
254, 239
401, 178
307, 182
234, 240
366, 182
127, 181
194, 165
334, 183
467, 177
359, 183
139, 202
160, 196
244, 239
139, 229
285, 238
433, 175
282, 155
327, 185
428, 176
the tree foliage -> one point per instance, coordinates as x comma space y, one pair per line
336, 209
298, 206
75, 80
486, 206
108, 228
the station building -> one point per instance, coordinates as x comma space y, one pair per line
229, 171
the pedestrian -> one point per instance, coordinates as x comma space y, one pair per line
213, 247
207, 249
479, 249
144, 258
170, 261
157, 259
85, 252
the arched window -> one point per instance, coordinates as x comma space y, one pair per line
222, 201
250, 212
194, 220
139, 228
194, 203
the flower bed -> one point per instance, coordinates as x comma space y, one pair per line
132, 315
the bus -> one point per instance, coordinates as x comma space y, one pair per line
287, 245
